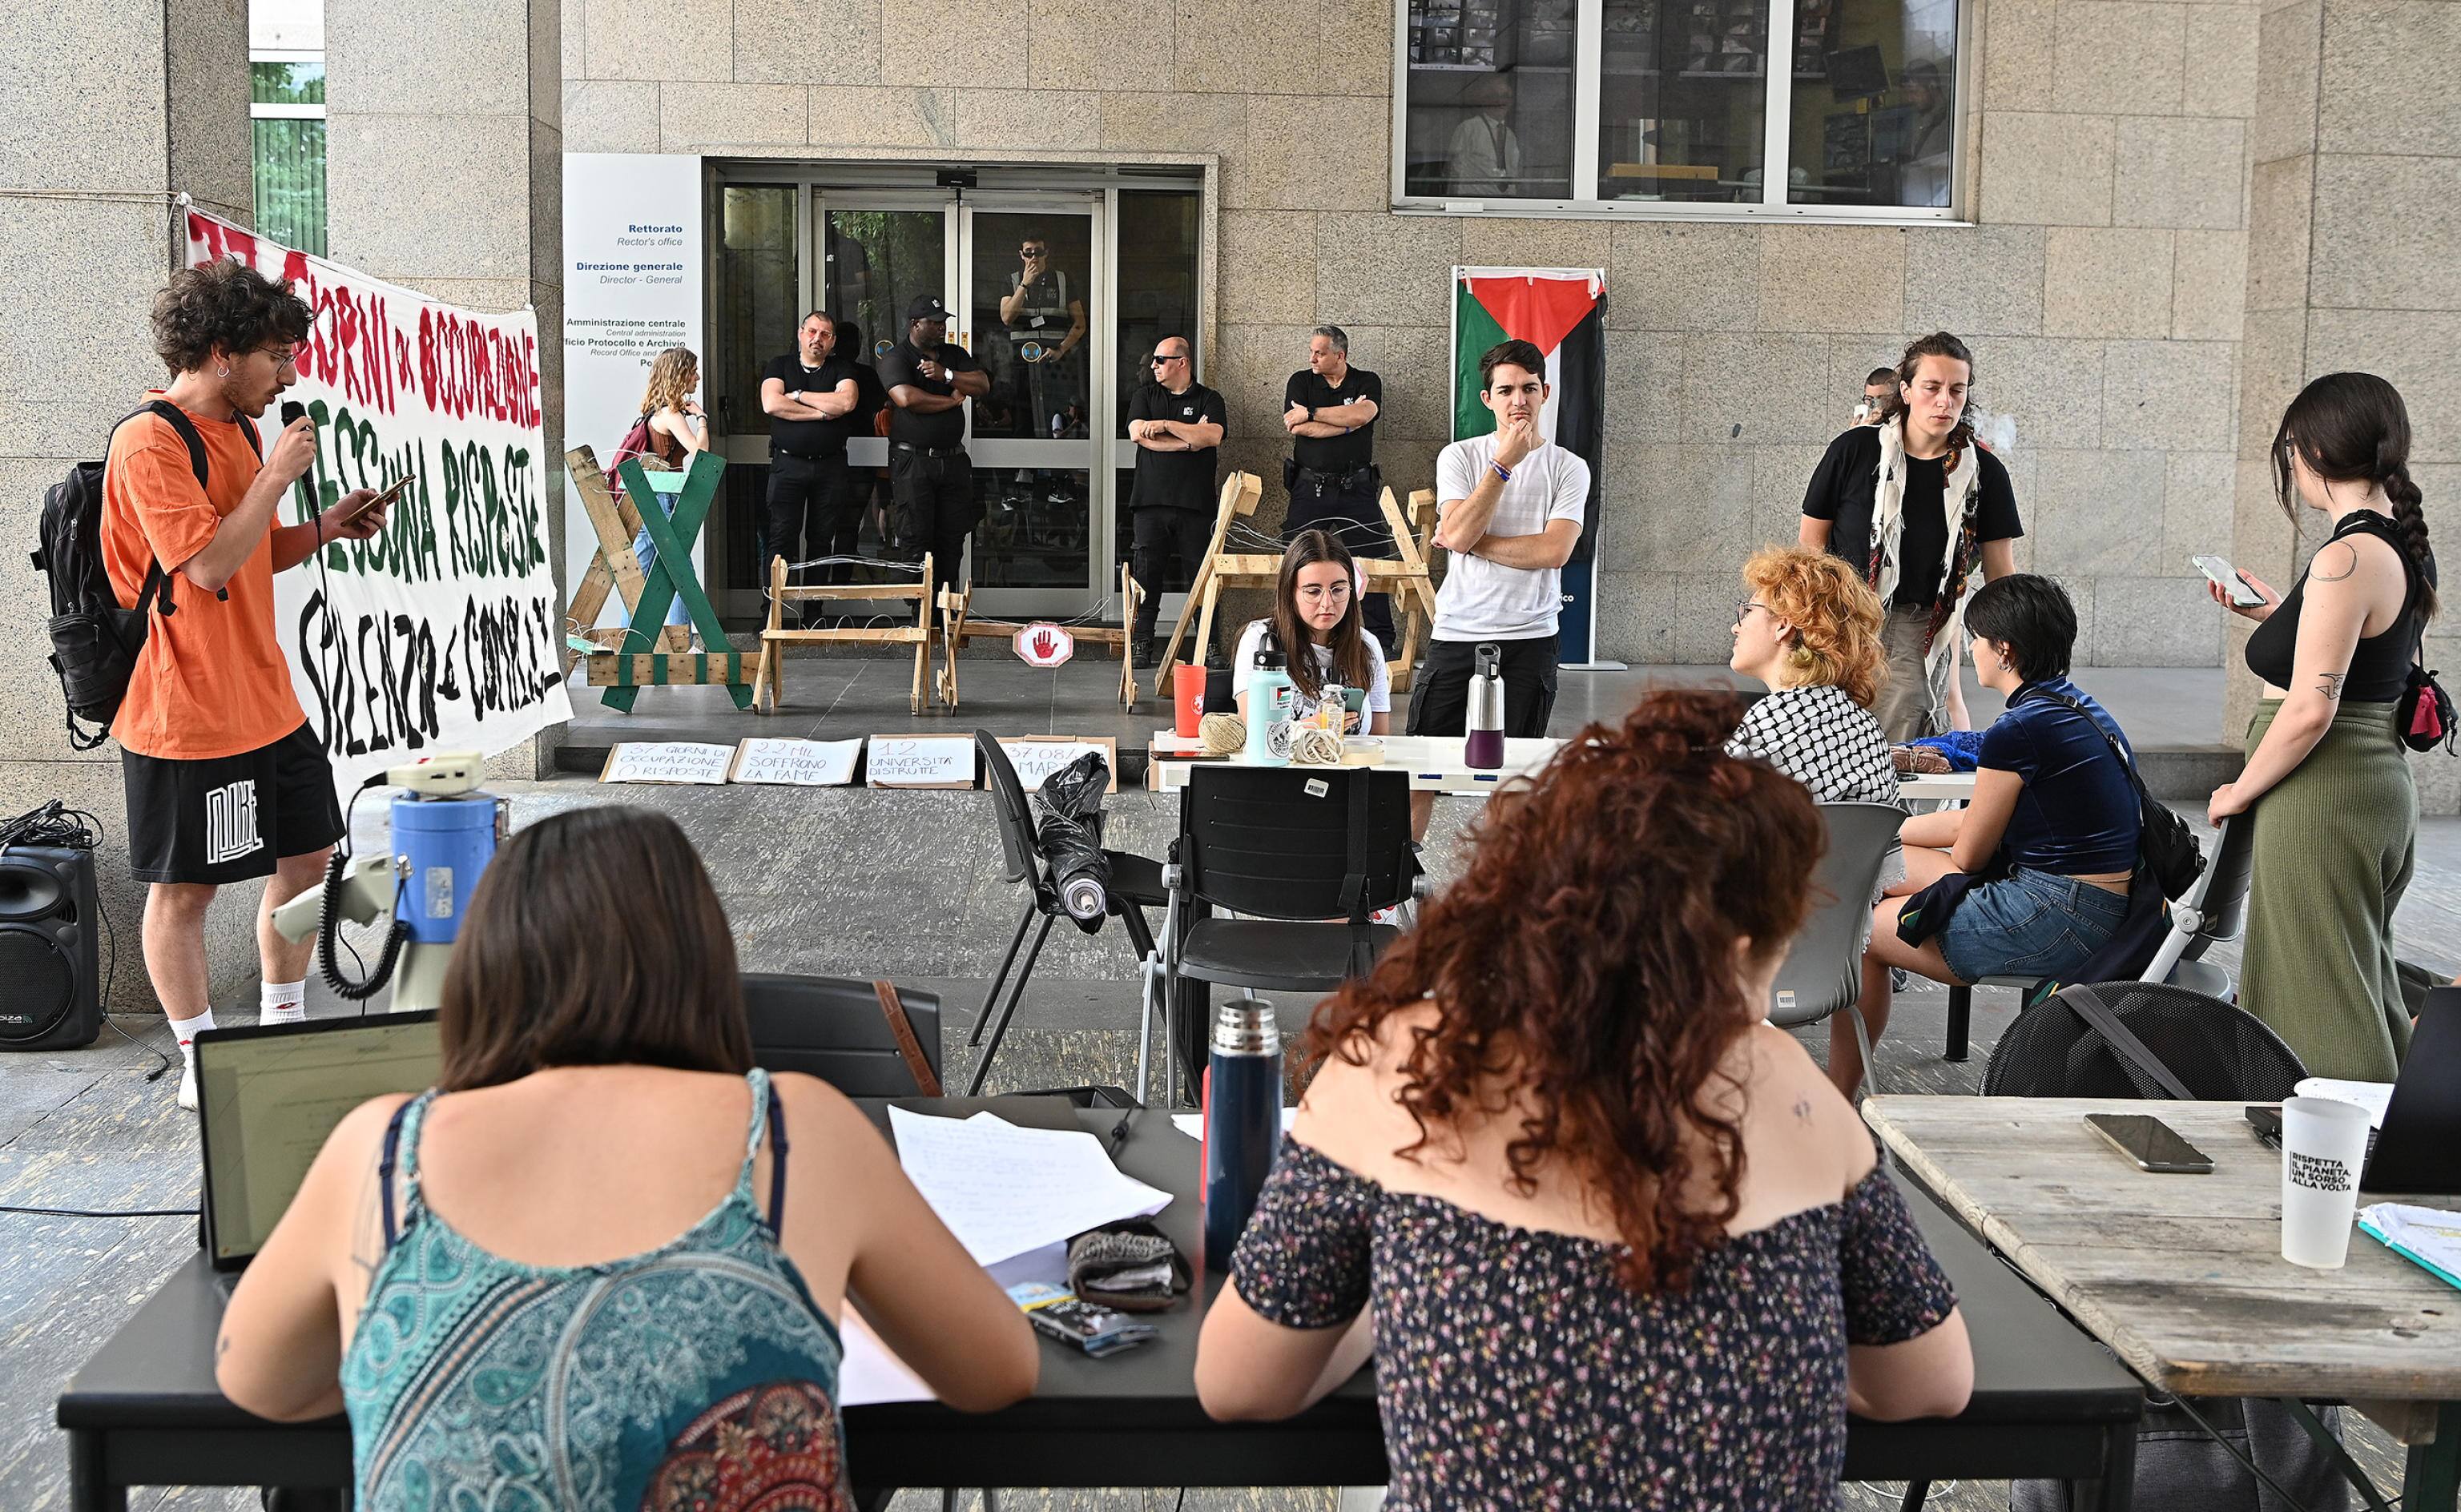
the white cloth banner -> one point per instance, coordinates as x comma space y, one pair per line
444, 632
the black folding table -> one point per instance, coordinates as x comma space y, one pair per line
2048, 1403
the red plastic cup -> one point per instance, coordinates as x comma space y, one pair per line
1187, 700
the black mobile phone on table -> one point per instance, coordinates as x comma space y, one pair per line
2152, 1144
2265, 1118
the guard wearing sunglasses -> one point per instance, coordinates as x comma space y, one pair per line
1177, 423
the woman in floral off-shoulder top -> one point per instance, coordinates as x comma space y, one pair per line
1611, 1242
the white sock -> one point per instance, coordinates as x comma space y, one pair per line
188, 1029
283, 1003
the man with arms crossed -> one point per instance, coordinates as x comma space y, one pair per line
810, 396
1510, 507
931, 479
1329, 409
225, 781
1177, 425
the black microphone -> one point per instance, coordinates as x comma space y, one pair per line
293, 413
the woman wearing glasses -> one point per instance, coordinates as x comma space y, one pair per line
1316, 605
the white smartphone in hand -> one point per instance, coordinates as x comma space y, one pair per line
2223, 576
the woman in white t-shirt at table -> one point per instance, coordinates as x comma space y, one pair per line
1317, 602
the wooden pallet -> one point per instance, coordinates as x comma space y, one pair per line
648, 652
958, 627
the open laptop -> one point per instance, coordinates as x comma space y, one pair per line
267, 1096
2416, 1145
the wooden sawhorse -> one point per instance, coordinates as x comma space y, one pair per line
626, 661
1405, 576
956, 627
770, 677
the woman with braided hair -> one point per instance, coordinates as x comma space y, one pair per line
1915, 506
2327, 785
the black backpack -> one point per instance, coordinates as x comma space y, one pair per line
94, 642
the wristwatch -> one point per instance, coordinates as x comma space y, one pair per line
1311, 414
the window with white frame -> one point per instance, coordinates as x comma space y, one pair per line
287, 115
1844, 109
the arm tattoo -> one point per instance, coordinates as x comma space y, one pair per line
2331, 685
221, 1347
1802, 1109
2322, 570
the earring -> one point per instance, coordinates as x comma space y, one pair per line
222, 372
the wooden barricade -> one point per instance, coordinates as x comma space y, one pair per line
958, 627
1404, 577
648, 652
774, 637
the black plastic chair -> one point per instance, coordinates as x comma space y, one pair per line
834, 1028
1822, 973
1135, 884
1291, 848
2202, 1049
2212, 910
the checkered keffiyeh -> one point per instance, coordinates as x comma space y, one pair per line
1824, 740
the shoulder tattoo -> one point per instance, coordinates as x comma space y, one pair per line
1803, 1108
2334, 562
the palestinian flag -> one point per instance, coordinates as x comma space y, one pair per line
1562, 312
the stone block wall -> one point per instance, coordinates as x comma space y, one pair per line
112, 109
2354, 210
2101, 290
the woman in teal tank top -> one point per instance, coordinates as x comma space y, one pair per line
582, 1272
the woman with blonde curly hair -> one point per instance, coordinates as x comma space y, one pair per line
1811, 629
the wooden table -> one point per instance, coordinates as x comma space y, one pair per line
2182, 1276
1433, 762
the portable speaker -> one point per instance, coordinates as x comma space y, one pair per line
50, 989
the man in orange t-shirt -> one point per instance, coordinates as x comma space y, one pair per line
225, 782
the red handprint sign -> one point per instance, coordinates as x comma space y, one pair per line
1044, 645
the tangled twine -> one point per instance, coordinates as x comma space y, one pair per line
1315, 747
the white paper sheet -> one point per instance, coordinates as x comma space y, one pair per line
2371, 1096
1004, 1190
1192, 1124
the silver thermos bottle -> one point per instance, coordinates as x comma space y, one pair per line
1484, 751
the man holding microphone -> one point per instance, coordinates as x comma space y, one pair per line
225, 782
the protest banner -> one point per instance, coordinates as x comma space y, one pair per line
444, 632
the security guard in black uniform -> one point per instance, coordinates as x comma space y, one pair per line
931, 479
1330, 410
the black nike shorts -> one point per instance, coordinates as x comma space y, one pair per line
229, 817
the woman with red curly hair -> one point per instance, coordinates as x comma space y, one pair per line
1622, 1245
1810, 630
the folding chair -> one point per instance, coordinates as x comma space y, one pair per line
1822, 973
1291, 848
1135, 884
847, 1032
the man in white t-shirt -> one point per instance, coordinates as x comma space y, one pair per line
1510, 508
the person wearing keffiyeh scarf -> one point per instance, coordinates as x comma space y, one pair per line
1861, 508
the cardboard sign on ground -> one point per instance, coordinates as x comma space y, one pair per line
681, 761
795, 763
1038, 756
920, 761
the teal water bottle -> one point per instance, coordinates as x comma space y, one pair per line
1271, 699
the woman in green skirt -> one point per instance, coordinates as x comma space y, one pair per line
2327, 782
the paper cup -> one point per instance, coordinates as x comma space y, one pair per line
1187, 700
2323, 1147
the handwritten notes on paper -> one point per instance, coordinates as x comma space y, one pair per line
922, 761
797, 763
1038, 756
1004, 1190
668, 761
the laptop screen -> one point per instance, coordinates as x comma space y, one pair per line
266, 1098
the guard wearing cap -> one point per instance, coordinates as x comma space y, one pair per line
931, 479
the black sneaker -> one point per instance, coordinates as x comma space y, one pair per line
1146, 654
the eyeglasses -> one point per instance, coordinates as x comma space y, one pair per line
1744, 610
1166, 358
1318, 593
283, 356
1031, 252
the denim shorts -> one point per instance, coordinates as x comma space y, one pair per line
2032, 923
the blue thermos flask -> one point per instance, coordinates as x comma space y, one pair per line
1243, 1121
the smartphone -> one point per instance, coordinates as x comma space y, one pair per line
2150, 1143
2226, 578
391, 492
2266, 1121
